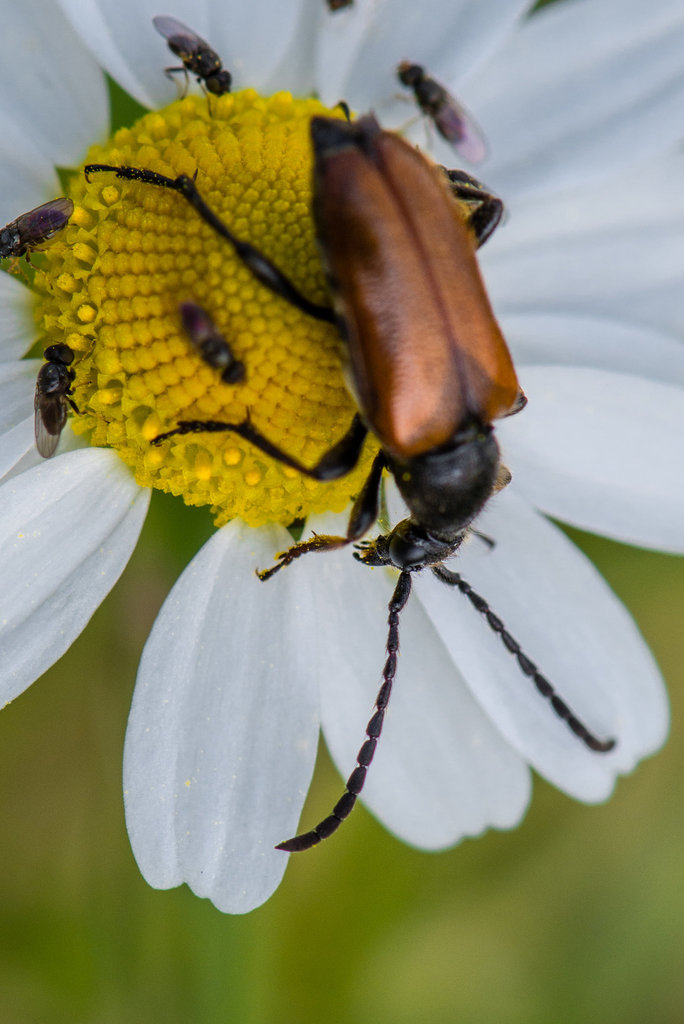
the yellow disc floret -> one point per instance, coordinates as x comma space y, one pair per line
112, 286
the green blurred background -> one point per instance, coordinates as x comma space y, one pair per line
576, 916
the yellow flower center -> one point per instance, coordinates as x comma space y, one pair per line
113, 282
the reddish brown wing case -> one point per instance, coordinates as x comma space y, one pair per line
426, 353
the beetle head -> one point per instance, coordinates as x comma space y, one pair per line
447, 487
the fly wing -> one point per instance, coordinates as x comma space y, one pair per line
169, 27
181, 39
457, 126
46, 220
49, 420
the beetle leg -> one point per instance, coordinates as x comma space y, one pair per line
319, 542
485, 209
365, 509
363, 514
260, 266
337, 461
344, 455
344, 107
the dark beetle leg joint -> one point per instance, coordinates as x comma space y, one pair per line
363, 514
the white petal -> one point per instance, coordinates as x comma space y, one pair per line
22, 437
295, 70
27, 174
566, 339
17, 327
571, 625
441, 770
15, 442
222, 736
582, 91
120, 33
358, 54
360, 47
602, 451
68, 528
17, 386
341, 35
52, 85
16, 439
253, 39
617, 255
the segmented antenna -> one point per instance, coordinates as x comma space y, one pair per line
528, 668
344, 805
356, 780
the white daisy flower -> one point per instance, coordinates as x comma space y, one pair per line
579, 107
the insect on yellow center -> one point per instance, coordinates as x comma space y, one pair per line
112, 286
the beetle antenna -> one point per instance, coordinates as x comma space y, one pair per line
356, 780
528, 668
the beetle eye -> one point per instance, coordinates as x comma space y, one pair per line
410, 546
405, 552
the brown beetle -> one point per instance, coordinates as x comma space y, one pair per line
429, 367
